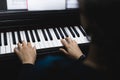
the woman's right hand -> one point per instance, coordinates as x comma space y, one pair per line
71, 48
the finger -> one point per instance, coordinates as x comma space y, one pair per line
63, 50
29, 44
74, 41
24, 43
64, 42
68, 39
34, 48
19, 46
16, 50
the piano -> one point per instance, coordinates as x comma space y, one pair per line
43, 29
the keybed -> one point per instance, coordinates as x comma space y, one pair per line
41, 38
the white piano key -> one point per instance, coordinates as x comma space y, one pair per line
67, 30
41, 42
16, 37
3, 46
55, 41
21, 35
82, 38
54, 37
45, 43
7, 47
24, 37
11, 42
49, 41
59, 40
79, 40
37, 45
76, 38
70, 35
32, 43
62, 32
58, 33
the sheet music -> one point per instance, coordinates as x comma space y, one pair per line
72, 4
46, 5
41, 4
16, 4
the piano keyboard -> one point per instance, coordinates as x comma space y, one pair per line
41, 38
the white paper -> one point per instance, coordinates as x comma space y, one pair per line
46, 5
16, 4
72, 4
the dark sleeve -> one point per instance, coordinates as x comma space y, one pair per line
26, 72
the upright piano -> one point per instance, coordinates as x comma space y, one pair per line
43, 29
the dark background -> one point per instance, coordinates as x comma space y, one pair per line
3, 5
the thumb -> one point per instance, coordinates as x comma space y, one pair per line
16, 51
34, 48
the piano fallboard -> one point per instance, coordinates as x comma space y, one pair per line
13, 19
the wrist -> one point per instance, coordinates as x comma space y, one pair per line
29, 62
82, 57
78, 56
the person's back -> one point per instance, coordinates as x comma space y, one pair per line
103, 25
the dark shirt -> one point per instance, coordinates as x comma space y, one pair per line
75, 71
26, 72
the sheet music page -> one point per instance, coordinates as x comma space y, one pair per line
72, 4
16, 4
46, 5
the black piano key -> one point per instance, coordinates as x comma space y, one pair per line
56, 33
37, 36
13, 37
78, 35
32, 36
5, 39
49, 34
45, 36
71, 32
19, 38
82, 30
61, 34
27, 36
66, 34
0, 40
